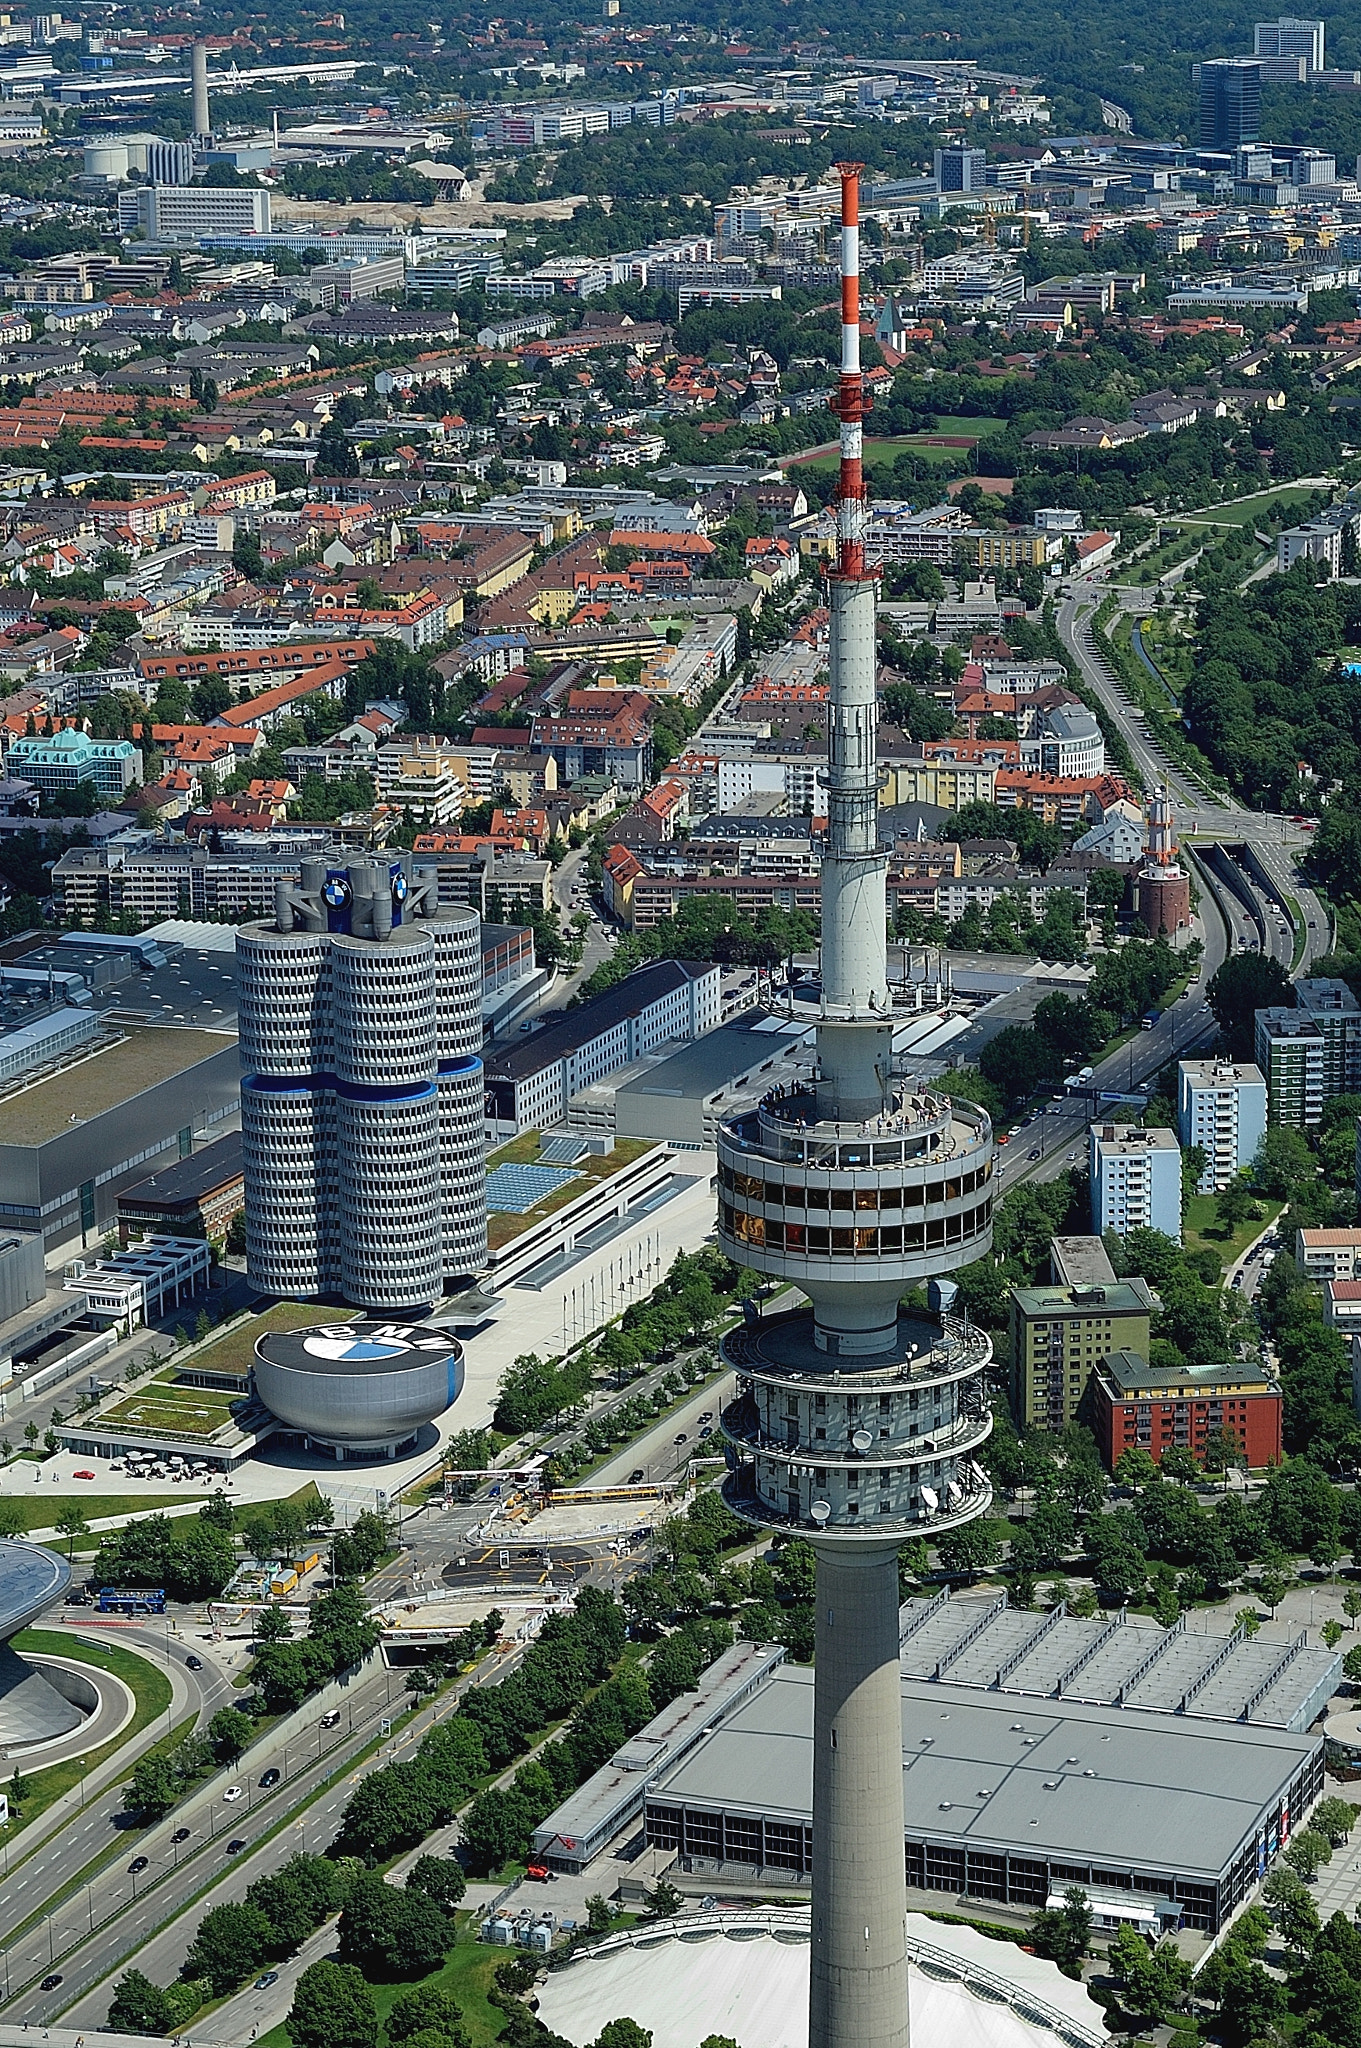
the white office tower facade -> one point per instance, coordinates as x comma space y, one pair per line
361, 1093
855, 1424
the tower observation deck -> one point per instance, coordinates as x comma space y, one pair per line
856, 1424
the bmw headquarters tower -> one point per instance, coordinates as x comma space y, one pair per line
854, 1423
361, 1096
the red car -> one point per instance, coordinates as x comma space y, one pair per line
82, 1475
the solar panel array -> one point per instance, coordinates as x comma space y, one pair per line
515, 1190
565, 1150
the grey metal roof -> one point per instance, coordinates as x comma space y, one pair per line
1167, 1795
1116, 1660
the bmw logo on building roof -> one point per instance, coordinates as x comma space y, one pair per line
336, 892
399, 889
343, 1344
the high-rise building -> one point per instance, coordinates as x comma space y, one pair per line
184, 212
960, 169
1310, 1053
856, 1424
1221, 1108
1138, 1406
1288, 37
1060, 1334
1230, 102
361, 1096
1136, 1180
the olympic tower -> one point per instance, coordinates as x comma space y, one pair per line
856, 1424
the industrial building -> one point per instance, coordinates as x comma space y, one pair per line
75, 1136
1038, 1751
1222, 1108
196, 1197
1138, 1406
589, 1818
1061, 1333
530, 1084
682, 1095
1136, 1180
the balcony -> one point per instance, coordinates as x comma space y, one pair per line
782, 1348
971, 1492
741, 1425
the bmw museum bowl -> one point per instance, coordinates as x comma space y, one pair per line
362, 1389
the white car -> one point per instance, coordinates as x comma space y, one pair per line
231, 1795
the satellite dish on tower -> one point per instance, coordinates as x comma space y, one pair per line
821, 1511
930, 1500
862, 1440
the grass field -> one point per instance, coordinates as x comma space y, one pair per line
1241, 510
39, 1512
1201, 1233
467, 1974
974, 423
150, 1689
234, 1351
177, 1411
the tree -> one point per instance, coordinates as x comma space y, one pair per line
1334, 1819
332, 2008
664, 1902
1273, 1587
427, 2010
1233, 1205
969, 1550
623, 2034
231, 1941
140, 2007
1351, 1604
154, 1788
440, 1878
1242, 985
389, 1933
71, 1523
1135, 1468
230, 1732
1308, 1852
1062, 1934
1179, 1463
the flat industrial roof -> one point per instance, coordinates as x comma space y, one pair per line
1047, 1777
718, 1060
188, 1180
146, 1055
1123, 1660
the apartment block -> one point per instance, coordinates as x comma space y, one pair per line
1061, 1334
1223, 1109
1136, 1180
1311, 1052
1139, 1406
1328, 1254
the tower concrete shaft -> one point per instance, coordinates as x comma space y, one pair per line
858, 1979
198, 84
855, 1423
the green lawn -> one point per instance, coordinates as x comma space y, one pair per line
1201, 1233
40, 1511
150, 1688
975, 423
467, 1974
1240, 510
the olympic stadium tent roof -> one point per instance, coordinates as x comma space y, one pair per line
746, 1975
